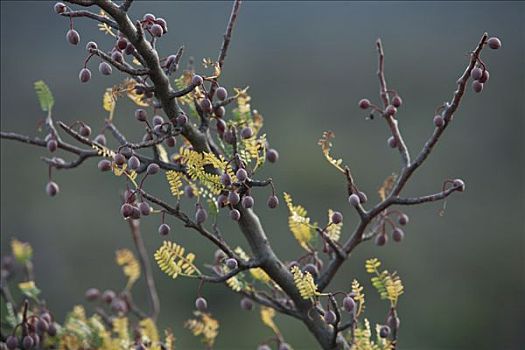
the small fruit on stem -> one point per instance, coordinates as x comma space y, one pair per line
201, 304
84, 75
354, 200
73, 37
164, 229
52, 189
272, 155
364, 103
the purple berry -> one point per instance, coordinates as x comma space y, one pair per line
126, 210
362, 197
42, 326
101, 139
264, 347
141, 115
201, 304
241, 175
52, 145
285, 346
182, 119
84, 130
156, 30
104, 68
222, 93
384, 331
188, 192
59, 7
348, 304
439, 121
392, 322
354, 200
221, 126
52, 331
117, 56
246, 132
337, 217
153, 168
135, 213
104, 165
381, 240
164, 229
392, 142
312, 269
221, 200
329, 317
148, 17
232, 263
119, 306
119, 159
122, 43
145, 208
197, 80
391, 110
92, 294
84, 75
397, 235
235, 214
226, 179
52, 189
206, 105
171, 141
233, 198
460, 184
246, 304
201, 215
130, 49
27, 342
91, 46
229, 137
273, 202
157, 120
403, 219
133, 163
73, 37
397, 101
162, 22
476, 73
219, 112
12, 342
484, 77
477, 86
247, 202
272, 155
364, 103
494, 43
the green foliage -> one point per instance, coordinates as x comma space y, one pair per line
45, 97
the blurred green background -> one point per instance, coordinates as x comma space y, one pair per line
307, 65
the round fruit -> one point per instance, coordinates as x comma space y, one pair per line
222, 93
60, 7
273, 202
364, 103
52, 145
329, 317
104, 68
201, 215
73, 37
392, 142
232, 263
92, 294
494, 43
348, 304
84, 75
52, 189
337, 217
272, 155
241, 175
233, 198
247, 202
362, 197
201, 304
145, 208
235, 214
101, 139
438, 121
380, 240
226, 179
246, 304
246, 132
354, 200
403, 219
476, 73
197, 80
91, 46
384, 331
477, 86
164, 229
126, 210
397, 101
397, 235
391, 110
153, 168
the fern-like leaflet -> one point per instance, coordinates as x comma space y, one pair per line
45, 97
305, 283
388, 285
299, 223
130, 265
171, 260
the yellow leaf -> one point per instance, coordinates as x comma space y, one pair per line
22, 251
326, 145
267, 316
299, 223
130, 265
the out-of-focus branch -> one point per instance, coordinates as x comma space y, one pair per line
146, 267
